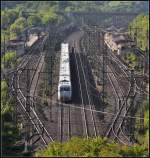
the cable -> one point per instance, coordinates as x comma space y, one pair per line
98, 111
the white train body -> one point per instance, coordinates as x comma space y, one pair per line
64, 86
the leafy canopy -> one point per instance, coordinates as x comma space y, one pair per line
92, 147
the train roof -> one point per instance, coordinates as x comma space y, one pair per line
64, 75
64, 70
64, 48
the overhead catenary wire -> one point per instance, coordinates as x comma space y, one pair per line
98, 111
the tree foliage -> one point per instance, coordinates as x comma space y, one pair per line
5, 100
141, 22
92, 147
8, 16
103, 5
10, 59
34, 20
132, 59
37, 14
13, 17
18, 26
4, 93
134, 151
9, 131
47, 16
146, 113
143, 137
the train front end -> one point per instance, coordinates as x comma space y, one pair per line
64, 92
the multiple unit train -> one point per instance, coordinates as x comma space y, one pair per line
64, 86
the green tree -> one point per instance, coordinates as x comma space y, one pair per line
53, 149
8, 16
48, 16
134, 151
9, 131
145, 107
5, 101
18, 26
110, 150
5, 20
34, 20
9, 58
131, 58
4, 93
91, 147
141, 22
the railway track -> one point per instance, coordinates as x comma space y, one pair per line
115, 129
119, 93
25, 57
35, 78
64, 122
69, 119
41, 130
121, 77
88, 116
32, 116
70, 123
127, 72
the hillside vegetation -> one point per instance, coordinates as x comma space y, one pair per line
139, 28
16, 16
128, 6
10, 132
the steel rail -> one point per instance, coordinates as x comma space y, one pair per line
21, 66
89, 100
33, 110
120, 125
83, 110
115, 119
19, 99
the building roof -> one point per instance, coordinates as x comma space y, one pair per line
117, 38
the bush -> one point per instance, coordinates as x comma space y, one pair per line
141, 22
34, 20
92, 147
9, 59
18, 26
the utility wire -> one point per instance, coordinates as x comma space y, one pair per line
98, 111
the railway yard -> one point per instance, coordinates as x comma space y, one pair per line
95, 110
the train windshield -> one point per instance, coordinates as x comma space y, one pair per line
64, 89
